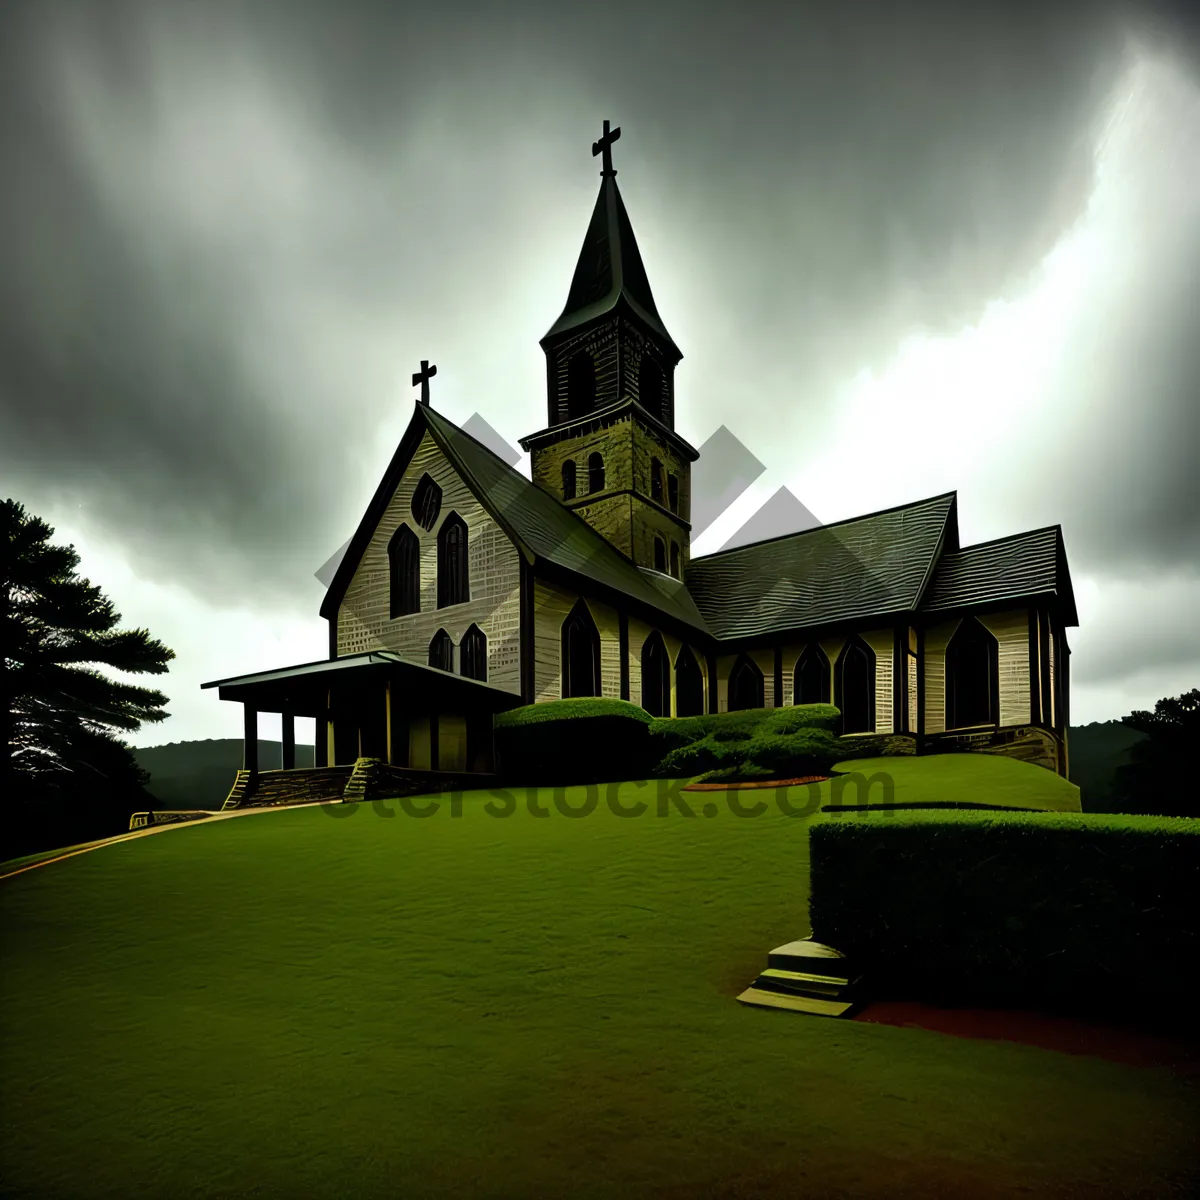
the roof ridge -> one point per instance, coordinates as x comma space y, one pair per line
818, 529
1008, 537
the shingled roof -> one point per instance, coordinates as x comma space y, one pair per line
1019, 567
864, 567
538, 524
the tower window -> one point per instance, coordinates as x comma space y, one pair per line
441, 651
453, 584
650, 386
568, 479
472, 654
426, 502
656, 492
660, 555
581, 385
675, 559
595, 472
404, 568
673, 492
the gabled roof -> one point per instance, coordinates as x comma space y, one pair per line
610, 271
863, 567
537, 523
1018, 567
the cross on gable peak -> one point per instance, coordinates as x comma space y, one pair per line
423, 376
604, 146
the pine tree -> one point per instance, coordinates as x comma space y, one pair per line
58, 713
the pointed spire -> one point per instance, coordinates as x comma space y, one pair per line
610, 270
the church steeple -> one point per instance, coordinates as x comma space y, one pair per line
609, 340
609, 451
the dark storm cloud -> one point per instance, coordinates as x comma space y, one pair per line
227, 227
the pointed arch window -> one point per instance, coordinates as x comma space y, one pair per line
426, 502
689, 685
581, 385
812, 677
404, 572
453, 583
568, 479
656, 478
656, 676
745, 685
675, 559
854, 686
595, 472
650, 386
660, 555
472, 654
972, 677
673, 492
441, 651
580, 653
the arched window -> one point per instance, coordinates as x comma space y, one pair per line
811, 679
580, 654
426, 502
972, 677
673, 492
569, 479
472, 654
855, 687
660, 555
453, 584
441, 651
595, 472
656, 474
675, 559
656, 676
581, 385
745, 685
404, 572
650, 386
689, 685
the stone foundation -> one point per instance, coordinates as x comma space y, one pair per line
1028, 743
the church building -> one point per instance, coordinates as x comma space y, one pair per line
468, 589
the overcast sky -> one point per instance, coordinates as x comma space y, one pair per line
904, 248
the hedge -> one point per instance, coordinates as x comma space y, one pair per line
1081, 912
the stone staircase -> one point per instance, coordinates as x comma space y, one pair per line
806, 976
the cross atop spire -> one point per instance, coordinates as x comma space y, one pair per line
423, 376
605, 145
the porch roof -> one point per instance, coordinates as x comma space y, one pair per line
302, 689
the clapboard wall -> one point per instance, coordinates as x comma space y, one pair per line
552, 605
364, 622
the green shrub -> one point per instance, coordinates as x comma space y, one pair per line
747, 772
564, 742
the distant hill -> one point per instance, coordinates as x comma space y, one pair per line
1095, 752
200, 774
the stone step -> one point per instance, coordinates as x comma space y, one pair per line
802, 984
817, 1006
809, 957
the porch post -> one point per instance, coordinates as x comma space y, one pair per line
250, 740
387, 718
289, 740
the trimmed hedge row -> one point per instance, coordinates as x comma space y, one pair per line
1088, 912
597, 741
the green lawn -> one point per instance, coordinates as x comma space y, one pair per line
964, 778
289, 1004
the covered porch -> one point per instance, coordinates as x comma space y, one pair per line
373, 705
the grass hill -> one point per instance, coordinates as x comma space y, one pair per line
471, 1004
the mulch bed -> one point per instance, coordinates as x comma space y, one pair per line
755, 783
1175, 1050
